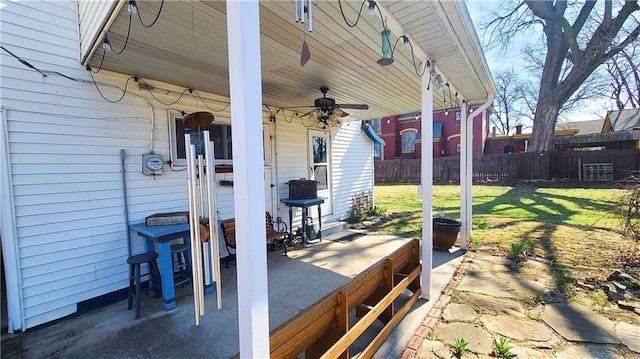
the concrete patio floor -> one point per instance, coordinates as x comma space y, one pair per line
295, 282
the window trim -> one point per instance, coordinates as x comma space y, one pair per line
402, 132
173, 150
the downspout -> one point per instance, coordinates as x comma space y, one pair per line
467, 193
8, 233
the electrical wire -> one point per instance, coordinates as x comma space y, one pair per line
345, 18
124, 91
148, 88
207, 106
154, 20
23, 61
126, 41
101, 62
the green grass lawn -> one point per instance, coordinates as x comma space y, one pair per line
567, 225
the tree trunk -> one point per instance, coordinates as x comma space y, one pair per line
549, 102
546, 115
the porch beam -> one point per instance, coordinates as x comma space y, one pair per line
426, 166
245, 83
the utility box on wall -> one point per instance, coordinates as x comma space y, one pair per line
152, 164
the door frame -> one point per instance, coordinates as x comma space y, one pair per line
327, 206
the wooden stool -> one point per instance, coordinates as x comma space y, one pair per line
179, 257
135, 279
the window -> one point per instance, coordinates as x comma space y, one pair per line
377, 151
219, 134
457, 115
376, 124
408, 140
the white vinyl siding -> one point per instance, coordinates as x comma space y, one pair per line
64, 143
352, 166
92, 15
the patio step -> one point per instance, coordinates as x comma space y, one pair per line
332, 227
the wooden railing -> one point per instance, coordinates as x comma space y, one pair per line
323, 330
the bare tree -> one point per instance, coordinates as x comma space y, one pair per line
508, 100
625, 78
578, 39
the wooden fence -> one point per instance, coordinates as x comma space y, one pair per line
509, 167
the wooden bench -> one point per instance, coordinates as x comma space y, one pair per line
326, 329
273, 237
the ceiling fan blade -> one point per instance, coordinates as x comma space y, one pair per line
354, 106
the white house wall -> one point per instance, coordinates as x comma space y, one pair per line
64, 143
352, 167
351, 163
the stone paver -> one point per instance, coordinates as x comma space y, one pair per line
493, 305
484, 280
479, 340
577, 323
481, 281
629, 335
434, 350
536, 334
573, 351
459, 312
524, 352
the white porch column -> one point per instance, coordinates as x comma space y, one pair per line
466, 174
245, 78
426, 165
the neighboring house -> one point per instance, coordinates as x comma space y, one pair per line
401, 134
618, 130
63, 125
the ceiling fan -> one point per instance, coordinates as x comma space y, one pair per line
326, 108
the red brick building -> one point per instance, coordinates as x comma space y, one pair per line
401, 134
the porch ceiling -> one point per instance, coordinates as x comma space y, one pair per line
188, 47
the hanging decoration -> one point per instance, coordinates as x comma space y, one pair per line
205, 251
299, 14
198, 119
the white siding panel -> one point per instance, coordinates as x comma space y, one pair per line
65, 141
352, 165
92, 18
292, 161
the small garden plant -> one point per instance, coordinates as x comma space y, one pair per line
460, 346
475, 240
432, 336
516, 250
481, 223
502, 348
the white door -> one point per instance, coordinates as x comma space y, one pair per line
320, 169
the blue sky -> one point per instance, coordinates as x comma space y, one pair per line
503, 59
